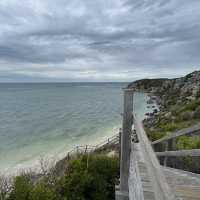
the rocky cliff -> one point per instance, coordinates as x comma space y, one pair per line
171, 91
179, 101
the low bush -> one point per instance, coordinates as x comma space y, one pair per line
190, 106
42, 192
21, 188
187, 142
89, 177
154, 135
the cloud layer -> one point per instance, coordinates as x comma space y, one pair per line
98, 40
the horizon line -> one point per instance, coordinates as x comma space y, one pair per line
66, 82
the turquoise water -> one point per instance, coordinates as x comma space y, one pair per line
49, 119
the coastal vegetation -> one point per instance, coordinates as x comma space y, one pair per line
93, 176
179, 104
174, 118
87, 177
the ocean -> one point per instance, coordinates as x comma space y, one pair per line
48, 119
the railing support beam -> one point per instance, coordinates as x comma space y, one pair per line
169, 146
126, 140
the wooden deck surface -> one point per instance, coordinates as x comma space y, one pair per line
186, 185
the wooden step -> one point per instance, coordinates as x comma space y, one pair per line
186, 185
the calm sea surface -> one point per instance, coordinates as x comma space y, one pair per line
49, 119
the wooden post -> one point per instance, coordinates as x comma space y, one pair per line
88, 154
126, 140
77, 150
171, 145
166, 149
86, 147
120, 136
68, 157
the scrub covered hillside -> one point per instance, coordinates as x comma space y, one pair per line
87, 177
179, 103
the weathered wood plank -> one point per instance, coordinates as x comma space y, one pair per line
181, 177
161, 188
126, 140
193, 153
135, 183
186, 185
186, 131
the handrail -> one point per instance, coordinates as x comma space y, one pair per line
91, 148
179, 153
195, 129
160, 185
109, 140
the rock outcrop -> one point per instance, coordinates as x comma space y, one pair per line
171, 91
179, 101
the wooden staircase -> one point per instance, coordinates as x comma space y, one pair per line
155, 179
142, 177
185, 185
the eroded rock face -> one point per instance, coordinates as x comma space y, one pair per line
178, 89
178, 101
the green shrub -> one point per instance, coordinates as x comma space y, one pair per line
187, 142
190, 106
188, 76
169, 127
42, 192
91, 178
155, 135
21, 188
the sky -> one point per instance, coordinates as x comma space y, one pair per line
98, 40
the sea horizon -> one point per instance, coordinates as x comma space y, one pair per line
54, 82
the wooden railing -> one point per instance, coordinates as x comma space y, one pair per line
180, 153
83, 149
192, 130
112, 140
162, 190
161, 187
170, 147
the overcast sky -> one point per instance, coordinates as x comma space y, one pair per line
98, 40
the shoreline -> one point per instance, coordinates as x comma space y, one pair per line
34, 164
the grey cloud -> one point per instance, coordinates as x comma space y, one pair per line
41, 39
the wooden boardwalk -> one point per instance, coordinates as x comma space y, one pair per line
142, 177
185, 185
